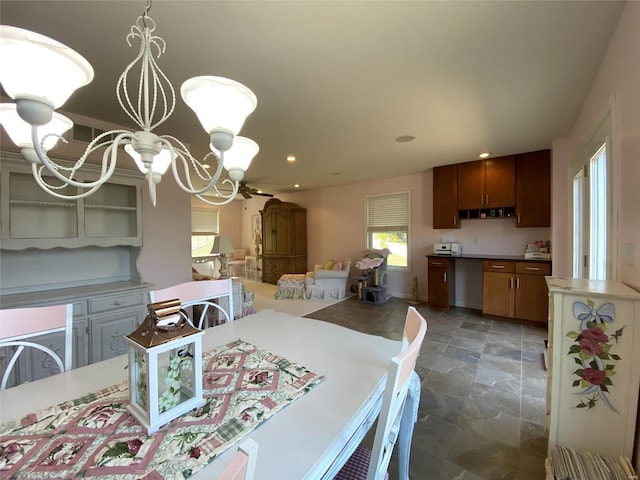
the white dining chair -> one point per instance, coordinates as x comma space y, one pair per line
243, 463
20, 326
198, 293
372, 465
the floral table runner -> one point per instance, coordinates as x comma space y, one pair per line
94, 436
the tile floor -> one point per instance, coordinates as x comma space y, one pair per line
482, 405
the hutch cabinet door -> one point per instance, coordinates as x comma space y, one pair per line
108, 331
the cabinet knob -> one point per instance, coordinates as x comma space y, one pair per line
535, 269
117, 303
497, 266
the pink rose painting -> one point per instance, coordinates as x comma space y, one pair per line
592, 352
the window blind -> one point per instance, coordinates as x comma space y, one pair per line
388, 213
204, 220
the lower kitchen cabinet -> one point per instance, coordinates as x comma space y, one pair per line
515, 289
100, 321
440, 277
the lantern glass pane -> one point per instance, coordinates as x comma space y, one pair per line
175, 377
141, 379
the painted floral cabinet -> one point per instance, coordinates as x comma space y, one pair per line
593, 365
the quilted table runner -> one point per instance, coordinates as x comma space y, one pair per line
94, 436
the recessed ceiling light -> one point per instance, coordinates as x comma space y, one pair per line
206, 167
484, 155
291, 158
405, 138
297, 185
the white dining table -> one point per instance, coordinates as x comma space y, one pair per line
310, 438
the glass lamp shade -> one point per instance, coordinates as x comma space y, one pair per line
218, 102
221, 245
40, 67
160, 164
241, 153
20, 131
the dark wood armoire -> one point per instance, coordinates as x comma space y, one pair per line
284, 239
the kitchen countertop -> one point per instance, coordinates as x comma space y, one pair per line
477, 256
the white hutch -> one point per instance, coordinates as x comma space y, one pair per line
81, 251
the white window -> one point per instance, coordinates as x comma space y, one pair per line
388, 226
599, 224
204, 227
594, 204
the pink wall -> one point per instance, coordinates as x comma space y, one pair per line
336, 229
619, 79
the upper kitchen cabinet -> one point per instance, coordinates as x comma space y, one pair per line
533, 189
487, 183
445, 197
32, 218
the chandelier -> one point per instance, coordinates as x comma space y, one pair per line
221, 105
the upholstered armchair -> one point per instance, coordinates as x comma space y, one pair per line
328, 280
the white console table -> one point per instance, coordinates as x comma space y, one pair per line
593, 365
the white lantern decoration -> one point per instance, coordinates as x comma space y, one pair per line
165, 366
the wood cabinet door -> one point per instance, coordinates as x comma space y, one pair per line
276, 232
531, 298
497, 294
445, 197
438, 292
499, 182
533, 189
471, 185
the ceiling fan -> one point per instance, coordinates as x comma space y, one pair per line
247, 191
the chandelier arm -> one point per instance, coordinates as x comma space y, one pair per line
179, 153
51, 191
53, 167
198, 166
189, 188
228, 199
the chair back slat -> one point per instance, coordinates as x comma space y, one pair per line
18, 322
190, 291
19, 327
200, 293
395, 394
415, 329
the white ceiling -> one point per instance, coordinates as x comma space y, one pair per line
338, 81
